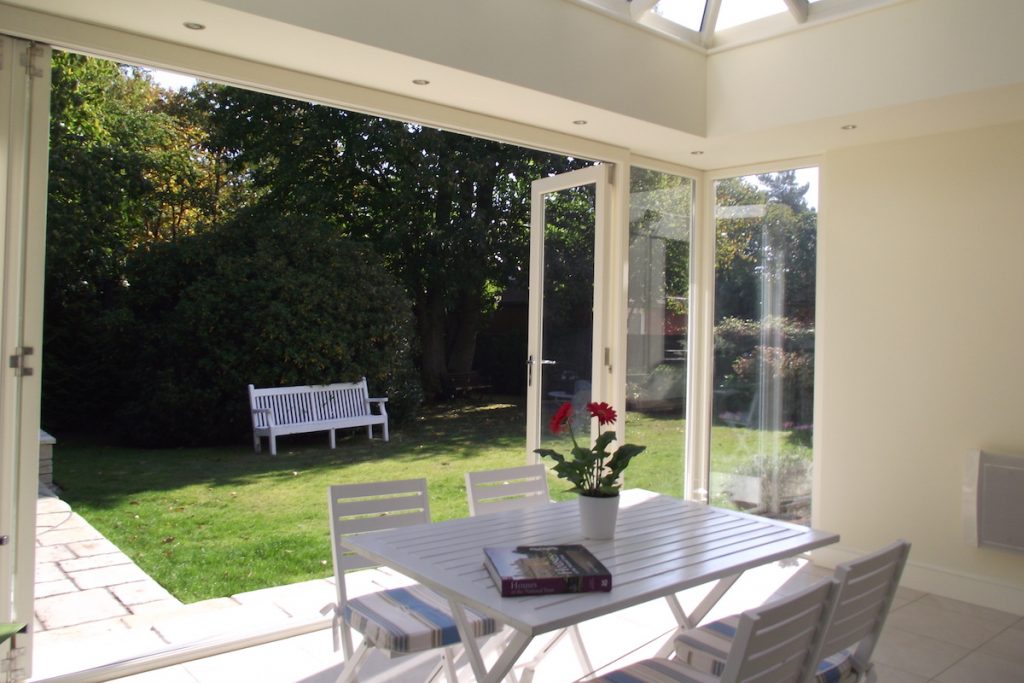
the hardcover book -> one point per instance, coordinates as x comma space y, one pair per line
544, 569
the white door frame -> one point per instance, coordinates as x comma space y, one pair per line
598, 175
24, 147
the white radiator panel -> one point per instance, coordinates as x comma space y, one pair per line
993, 500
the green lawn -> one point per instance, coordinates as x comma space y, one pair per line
211, 522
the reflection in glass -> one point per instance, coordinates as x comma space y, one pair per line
660, 218
766, 237
567, 343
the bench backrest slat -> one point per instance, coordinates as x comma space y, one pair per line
314, 403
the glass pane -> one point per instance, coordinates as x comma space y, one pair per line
736, 12
660, 216
567, 343
688, 13
766, 234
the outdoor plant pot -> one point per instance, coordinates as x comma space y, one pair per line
598, 516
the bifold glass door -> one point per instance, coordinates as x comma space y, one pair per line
568, 218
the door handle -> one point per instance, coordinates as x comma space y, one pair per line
529, 368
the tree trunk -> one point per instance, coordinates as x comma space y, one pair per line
430, 324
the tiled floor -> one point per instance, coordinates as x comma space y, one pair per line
927, 638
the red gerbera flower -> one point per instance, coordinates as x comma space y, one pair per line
561, 417
604, 413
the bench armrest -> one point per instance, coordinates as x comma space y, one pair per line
380, 404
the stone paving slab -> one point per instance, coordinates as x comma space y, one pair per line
99, 546
62, 536
45, 589
79, 607
53, 553
108, 576
78, 564
139, 592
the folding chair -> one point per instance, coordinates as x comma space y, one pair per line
516, 488
397, 621
779, 642
867, 586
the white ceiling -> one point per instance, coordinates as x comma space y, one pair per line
893, 68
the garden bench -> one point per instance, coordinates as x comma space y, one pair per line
315, 408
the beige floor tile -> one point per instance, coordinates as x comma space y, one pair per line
915, 653
1009, 645
887, 674
979, 666
951, 621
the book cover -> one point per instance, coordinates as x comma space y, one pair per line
544, 569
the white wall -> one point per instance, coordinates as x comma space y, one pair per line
921, 327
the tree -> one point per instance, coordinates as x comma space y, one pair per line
267, 300
123, 172
448, 213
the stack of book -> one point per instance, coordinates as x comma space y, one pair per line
544, 569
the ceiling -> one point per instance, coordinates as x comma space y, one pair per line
816, 76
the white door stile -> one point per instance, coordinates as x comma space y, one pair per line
598, 175
24, 134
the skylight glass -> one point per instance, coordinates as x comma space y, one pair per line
688, 13
736, 12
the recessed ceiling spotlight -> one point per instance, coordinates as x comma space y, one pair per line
849, 126
420, 81
579, 122
697, 152
194, 26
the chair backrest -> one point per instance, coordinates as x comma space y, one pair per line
867, 586
780, 642
511, 488
358, 508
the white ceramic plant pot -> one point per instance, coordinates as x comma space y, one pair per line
598, 516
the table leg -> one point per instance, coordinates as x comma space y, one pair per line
686, 621
514, 647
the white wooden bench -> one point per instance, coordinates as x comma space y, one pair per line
316, 408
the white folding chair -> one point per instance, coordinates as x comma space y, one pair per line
779, 642
516, 488
397, 621
867, 586
511, 488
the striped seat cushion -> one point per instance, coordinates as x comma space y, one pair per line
655, 671
706, 648
410, 619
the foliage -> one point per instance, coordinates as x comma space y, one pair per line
448, 213
124, 171
264, 300
592, 471
764, 297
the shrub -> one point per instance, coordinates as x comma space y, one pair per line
263, 300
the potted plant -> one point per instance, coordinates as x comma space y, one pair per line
593, 472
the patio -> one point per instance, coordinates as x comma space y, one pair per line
94, 605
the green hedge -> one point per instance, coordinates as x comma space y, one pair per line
263, 300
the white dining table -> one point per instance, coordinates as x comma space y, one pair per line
662, 546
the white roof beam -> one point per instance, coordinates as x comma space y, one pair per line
707, 24
799, 9
638, 8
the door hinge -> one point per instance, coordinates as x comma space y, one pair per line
18, 363
5, 539
32, 59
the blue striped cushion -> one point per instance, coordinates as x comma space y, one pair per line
654, 671
706, 648
410, 619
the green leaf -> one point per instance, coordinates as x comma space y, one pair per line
8, 630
